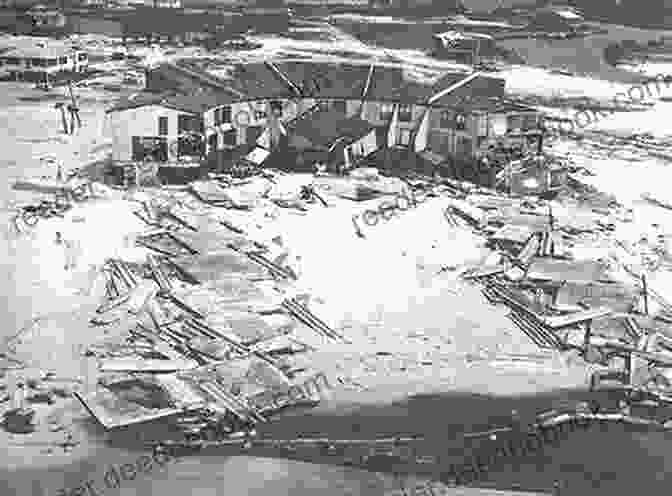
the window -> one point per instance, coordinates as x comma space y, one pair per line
529, 122
339, 106
62, 60
149, 149
163, 126
259, 114
189, 123
276, 108
405, 113
386, 110
230, 138
223, 115
446, 119
52, 62
81, 57
12, 60
36, 62
460, 122
482, 125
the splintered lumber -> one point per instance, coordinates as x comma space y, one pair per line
529, 250
484, 271
241, 348
121, 276
224, 400
144, 218
109, 305
179, 220
559, 321
158, 274
150, 246
231, 227
183, 244
541, 331
183, 274
272, 267
527, 330
633, 328
182, 305
188, 324
311, 320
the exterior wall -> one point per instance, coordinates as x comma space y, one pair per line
364, 146
143, 122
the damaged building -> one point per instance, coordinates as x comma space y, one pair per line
187, 114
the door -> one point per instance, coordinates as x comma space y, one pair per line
212, 143
252, 134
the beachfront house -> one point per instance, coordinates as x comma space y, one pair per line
310, 112
34, 59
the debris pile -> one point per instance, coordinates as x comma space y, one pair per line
599, 308
210, 324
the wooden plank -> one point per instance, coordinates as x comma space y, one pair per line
158, 274
180, 221
183, 244
150, 246
559, 321
483, 271
183, 273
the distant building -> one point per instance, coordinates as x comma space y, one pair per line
465, 48
33, 58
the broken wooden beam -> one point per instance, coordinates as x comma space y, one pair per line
158, 274
183, 244
150, 246
179, 220
183, 274
109, 305
559, 321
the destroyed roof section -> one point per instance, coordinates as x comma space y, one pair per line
181, 391
323, 128
112, 411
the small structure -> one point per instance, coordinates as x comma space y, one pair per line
35, 59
